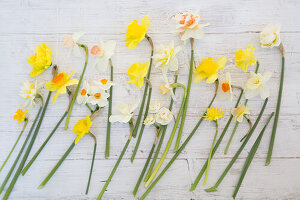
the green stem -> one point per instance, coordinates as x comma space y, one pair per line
43, 145
22, 163
211, 149
8, 156
250, 157
91, 170
230, 139
90, 109
79, 83
193, 187
52, 172
20, 152
177, 153
107, 145
214, 188
270, 151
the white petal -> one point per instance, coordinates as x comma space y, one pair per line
264, 92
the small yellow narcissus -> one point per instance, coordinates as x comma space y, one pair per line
136, 32
245, 58
20, 116
213, 114
82, 127
137, 73
239, 112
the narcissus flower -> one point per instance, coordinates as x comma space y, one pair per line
150, 119
83, 96
104, 83
163, 116
82, 127
60, 83
213, 114
270, 36
29, 92
137, 73
257, 85
155, 106
124, 112
70, 41
165, 88
209, 69
98, 96
224, 88
20, 116
136, 32
239, 112
245, 58
103, 52
41, 60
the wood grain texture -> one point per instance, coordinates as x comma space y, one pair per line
233, 25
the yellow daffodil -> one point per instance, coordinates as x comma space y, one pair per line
213, 114
136, 33
60, 83
20, 116
245, 58
209, 69
137, 73
270, 36
82, 127
239, 112
41, 60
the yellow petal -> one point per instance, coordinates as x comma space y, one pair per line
72, 82
51, 86
221, 61
212, 78
145, 21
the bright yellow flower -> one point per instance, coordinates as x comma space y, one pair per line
136, 33
20, 116
209, 69
137, 73
60, 83
245, 58
212, 114
41, 60
82, 127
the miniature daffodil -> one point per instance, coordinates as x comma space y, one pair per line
239, 112
103, 52
29, 92
82, 127
20, 115
137, 73
150, 119
245, 58
70, 41
224, 88
136, 32
163, 116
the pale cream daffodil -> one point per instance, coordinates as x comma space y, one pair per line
239, 112
70, 41
155, 106
224, 88
257, 85
165, 88
270, 36
124, 112
150, 119
163, 116
103, 52
29, 91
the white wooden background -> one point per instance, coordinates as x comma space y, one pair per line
233, 25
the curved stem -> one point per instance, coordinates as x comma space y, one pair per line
250, 127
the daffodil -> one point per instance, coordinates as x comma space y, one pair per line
136, 32
82, 127
224, 88
257, 85
104, 83
124, 112
98, 96
155, 106
70, 41
270, 36
41, 60
29, 92
150, 119
239, 112
209, 69
137, 72
20, 115
163, 116
103, 52
83, 96
213, 114
165, 88
245, 58
60, 83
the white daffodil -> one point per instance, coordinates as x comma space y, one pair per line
124, 112
29, 92
165, 57
150, 119
224, 88
270, 36
104, 84
155, 106
257, 85
84, 95
187, 24
239, 112
165, 89
98, 96
103, 52
70, 41
163, 116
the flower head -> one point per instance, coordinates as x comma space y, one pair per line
137, 73
84, 94
103, 52
150, 119
245, 58
124, 112
29, 92
155, 106
60, 83
41, 60
98, 96
224, 88
70, 41
82, 127
136, 32
239, 112
163, 116
165, 88
104, 83
209, 69
270, 36
257, 85
213, 114
20, 116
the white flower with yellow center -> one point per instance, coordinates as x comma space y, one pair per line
84, 96
256, 85
98, 96
155, 106
239, 112
163, 116
29, 92
224, 88
70, 41
270, 36
103, 52
124, 112
150, 119
165, 88
104, 83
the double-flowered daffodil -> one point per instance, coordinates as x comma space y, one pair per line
41, 60
163, 116
82, 127
270, 36
29, 92
137, 73
209, 69
213, 114
224, 88
158, 113
245, 58
239, 112
70, 41
60, 83
124, 112
20, 115
257, 85
103, 52
136, 32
